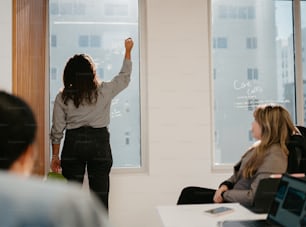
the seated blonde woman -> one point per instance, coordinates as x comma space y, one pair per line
272, 127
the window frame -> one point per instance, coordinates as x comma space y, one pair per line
298, 62
26, 57
299, 90
143, 97
143, 168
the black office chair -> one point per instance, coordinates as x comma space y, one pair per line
302, 130
296, 164
297, 152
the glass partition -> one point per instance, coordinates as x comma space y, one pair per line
99, 28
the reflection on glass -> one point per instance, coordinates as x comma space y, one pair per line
255, 66
99, 28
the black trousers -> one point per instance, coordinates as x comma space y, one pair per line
196, 195
88, 147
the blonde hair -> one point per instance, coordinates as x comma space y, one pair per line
276, 128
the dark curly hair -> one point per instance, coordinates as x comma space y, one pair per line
80, 82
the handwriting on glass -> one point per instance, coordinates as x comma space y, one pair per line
115, 111
250, 89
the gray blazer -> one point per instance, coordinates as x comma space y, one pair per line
243, 190
32, 202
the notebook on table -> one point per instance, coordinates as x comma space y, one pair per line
287, 209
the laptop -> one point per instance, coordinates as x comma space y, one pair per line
264, 195
287, 209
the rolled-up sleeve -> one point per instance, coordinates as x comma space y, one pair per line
58, 121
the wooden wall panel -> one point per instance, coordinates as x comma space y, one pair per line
29, 63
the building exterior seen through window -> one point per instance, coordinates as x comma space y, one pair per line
256, 66
99, 28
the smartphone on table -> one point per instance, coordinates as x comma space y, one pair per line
219, 211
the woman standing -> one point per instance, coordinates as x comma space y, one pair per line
83, 110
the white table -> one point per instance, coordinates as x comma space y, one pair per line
194, 216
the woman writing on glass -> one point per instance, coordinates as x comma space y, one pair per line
83, 110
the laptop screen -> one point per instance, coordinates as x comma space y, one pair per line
294, 201
288, 207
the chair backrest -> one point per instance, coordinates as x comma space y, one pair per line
296, 164
264, 194
297, 152
302, 129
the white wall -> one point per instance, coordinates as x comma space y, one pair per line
179, 114
179, 110
6, 45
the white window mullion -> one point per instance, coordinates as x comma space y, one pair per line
298, 63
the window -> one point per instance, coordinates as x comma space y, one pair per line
95, 41
58, 7
251, 43
220, 42
53, 41
83, 41
236, 12
243, 12
90, 41
258, 67
53, 8
252, 74
251, 12
99, 28
116, 10
303, 54
53, 73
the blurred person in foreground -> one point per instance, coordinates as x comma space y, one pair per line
28, 201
